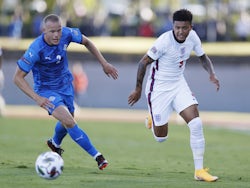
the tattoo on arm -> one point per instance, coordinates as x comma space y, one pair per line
140, 74
207, 64
144, 62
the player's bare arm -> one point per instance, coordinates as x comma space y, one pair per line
109, 69
19, 80
142, 67
208, 66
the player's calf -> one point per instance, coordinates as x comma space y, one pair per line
160, 133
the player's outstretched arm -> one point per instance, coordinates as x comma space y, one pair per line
208, 66
142, 67
109, 69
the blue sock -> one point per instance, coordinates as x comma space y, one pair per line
82, 139
60, 133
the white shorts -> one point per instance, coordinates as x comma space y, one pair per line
161, 104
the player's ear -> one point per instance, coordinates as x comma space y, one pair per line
43, 27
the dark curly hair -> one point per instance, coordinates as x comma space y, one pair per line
183, 15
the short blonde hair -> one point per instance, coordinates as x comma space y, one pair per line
52, 18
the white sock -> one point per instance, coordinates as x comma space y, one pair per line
96, 155
56, 145
197, 142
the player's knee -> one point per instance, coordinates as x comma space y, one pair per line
69, 123
195, 126
160, 139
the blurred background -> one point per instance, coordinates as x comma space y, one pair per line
214, 20
224, 22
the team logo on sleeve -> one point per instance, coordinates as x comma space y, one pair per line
30, 54
153, 49
25, 61
75, 33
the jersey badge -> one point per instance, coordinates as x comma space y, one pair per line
183, 50
157, 117
58, 58
153, 49
52, 98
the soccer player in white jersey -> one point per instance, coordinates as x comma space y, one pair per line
167, 90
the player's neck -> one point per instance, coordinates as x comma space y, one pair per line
176, 38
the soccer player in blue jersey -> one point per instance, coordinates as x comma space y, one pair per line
46, 57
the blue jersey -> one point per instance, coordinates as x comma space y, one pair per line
49, 64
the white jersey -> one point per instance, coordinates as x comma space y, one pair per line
170, 59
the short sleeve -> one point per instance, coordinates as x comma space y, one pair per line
197, 44
27, 61
155, 52
76, 35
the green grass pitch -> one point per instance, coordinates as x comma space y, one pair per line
136, 160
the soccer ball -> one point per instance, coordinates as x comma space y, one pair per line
49, 165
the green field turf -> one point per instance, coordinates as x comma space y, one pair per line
136, 160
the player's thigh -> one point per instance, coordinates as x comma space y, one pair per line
160, 107
63, 107
62, 114
185, 103
190, 113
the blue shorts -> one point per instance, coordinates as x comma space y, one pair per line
59, 99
